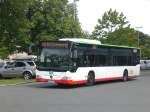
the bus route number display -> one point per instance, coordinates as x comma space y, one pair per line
54, 44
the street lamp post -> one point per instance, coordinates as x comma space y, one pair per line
75, 6
74, 14
138, 35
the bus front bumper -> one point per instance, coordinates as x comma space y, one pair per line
70, 82
41, 79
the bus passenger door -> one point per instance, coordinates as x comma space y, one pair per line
100, 66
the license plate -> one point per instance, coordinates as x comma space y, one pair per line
50, 81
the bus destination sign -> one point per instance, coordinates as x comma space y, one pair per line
54, 44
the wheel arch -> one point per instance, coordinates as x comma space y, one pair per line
91, 71
125, 70
125, 75
27, 72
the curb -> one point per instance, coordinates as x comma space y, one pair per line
3, 85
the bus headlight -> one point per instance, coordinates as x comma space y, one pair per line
66, 78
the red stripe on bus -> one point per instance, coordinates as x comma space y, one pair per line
70, 82
41, 79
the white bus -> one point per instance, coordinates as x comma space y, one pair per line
84, 61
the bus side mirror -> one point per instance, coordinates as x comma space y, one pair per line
74, 54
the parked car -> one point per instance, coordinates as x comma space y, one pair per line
25, 69
145, 64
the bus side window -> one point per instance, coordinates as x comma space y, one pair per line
86, 61
100, 60
81, 61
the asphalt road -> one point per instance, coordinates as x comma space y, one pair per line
117, 96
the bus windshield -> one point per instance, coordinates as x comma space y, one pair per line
56, 59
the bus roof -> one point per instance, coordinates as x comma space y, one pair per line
81, 40
94, 42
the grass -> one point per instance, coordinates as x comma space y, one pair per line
14, 81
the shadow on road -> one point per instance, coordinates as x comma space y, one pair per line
55, 86
145, 73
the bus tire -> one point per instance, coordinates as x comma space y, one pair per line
91, 79
125, 75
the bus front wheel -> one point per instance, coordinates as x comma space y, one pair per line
91, 79
125, 75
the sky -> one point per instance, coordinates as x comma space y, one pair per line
136, 11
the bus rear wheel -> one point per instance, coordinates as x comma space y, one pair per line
125, 76
91, 79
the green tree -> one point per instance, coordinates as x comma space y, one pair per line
124, 36
51, 20
26, 22
71, 23
13, 24
113, 28
144, 41
86, 34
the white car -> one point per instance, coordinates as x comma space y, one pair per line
145, 64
